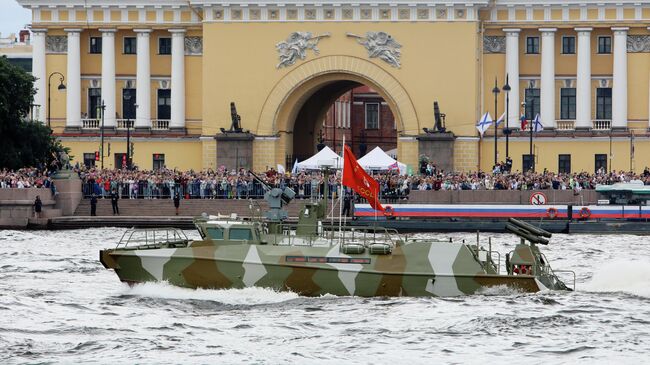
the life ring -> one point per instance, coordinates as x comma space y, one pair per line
389, 212
585, 212
551, 212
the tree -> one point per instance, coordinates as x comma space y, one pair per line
21, 143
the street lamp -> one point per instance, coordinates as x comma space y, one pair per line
61, 87
496, 92
506, 88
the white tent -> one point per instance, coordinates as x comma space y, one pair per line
377, 159
326, 157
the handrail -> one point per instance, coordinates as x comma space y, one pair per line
567, 271
128, 238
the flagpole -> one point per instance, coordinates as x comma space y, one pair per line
341, 193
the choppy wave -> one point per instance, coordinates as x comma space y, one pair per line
628, 276
59, 305
246, 296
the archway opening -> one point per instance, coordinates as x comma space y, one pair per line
342, 108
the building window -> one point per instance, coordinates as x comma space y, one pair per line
527, 162
564, 164
89, 159
128, 103
568, 103
164, 46
568, 45
372, 116
158, 161
604, 103
95, 44
130, 45
94, 103
600, 162
532, 45
164, 104
532, 103
604, 45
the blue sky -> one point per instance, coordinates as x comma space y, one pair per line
12, 17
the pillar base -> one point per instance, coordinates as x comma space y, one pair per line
235, 150
439, 147
142, 129
178, 130
619, 129
72, 129
583, 129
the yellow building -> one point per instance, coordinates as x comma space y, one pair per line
173, 67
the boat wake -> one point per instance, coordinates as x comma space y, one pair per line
627, 276
246, 296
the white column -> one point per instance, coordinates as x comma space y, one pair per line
143, 84
512, 70
73, 88
583, 79
619, 91
547, 97
108, 76
39, 71
178, 79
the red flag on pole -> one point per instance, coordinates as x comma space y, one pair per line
356, 178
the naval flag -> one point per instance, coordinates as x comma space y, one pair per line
501, 118
484, 123
294, 170
537, 124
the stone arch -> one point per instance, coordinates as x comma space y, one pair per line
290, 92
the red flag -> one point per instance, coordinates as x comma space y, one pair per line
356, 178
524, 122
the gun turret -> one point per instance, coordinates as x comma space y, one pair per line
276, 198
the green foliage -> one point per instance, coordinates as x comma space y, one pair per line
22, 143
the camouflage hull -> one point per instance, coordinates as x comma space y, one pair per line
415, 269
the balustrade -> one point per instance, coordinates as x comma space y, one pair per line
601, 125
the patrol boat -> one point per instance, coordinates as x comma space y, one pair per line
312, 259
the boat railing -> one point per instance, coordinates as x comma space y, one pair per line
152, 238
549, 271
336, 235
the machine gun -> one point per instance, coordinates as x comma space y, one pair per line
276, 198
235, 126
439, 126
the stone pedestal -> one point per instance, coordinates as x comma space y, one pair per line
439, 148
68, 188
235, 150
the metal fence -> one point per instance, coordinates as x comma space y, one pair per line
218, 190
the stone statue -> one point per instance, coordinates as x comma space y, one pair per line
235, 126
236, 119
296, 46
380, 45
64, 159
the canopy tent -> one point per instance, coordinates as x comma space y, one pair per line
325, 157
377, 159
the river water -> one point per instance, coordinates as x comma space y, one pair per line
59, 305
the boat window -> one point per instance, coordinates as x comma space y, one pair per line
240, 234
216, 233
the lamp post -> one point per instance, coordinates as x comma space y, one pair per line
506, 88
531, 127
496, 92
61, 87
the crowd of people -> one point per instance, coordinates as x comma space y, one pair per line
29, 177
242, 184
